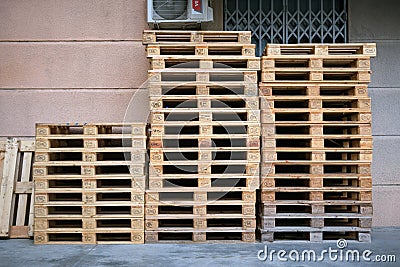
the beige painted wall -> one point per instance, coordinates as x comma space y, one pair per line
70, 61
81, 65
82, 61
72, 20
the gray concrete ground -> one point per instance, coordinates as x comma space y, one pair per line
385, 241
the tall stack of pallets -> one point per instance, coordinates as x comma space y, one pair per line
205, 132
89, 183
316, 145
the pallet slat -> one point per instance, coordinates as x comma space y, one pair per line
7, 185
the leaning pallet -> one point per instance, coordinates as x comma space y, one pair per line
316, 180
16, 205
89, 183
205, 137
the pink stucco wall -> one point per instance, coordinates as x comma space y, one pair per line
82, 61
70, 61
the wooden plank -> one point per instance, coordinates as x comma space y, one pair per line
88, 237
237, 63
23, 190
31, 213
19, 232
315, 234
7, 185
210, 235
163, 36
209, 117
292, 50
2, 158
85, 129
331, 75
202, 75
204, 89
214, 50
313, 89
27, 145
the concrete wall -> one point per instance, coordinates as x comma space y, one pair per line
378, 21
83, 61
70, 61
73, 61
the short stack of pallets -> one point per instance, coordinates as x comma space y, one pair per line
205, 132
89, 183
316, 142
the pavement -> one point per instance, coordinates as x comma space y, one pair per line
385, 244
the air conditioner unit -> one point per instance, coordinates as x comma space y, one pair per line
181, 11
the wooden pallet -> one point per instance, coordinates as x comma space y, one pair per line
315, 221
247, 130
221, 89
163, 36
200, 197
223, 142
88, 129
315, 184
79, 169
98, 237
302, 182
16, 203
182, 184
317, 62
308, 195
292, 50
205, 155
78, 196
324, 142
216, 76
208, 209
319, 104
336, 116
200, 50
326, 156
165, 103
321, 209
223, 157
203, 169
63, 224
200, 236
313, 90
191, 116
101, 210
205, 63
184, 223
332, 130
331, 75
306, 167
315, 235
89, 183
95, 156
110, 143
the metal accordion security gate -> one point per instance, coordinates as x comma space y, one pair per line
288, 21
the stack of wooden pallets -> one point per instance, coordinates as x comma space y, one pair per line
89, 183
316, 145
205, 132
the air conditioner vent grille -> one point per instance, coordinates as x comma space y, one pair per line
171, 9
